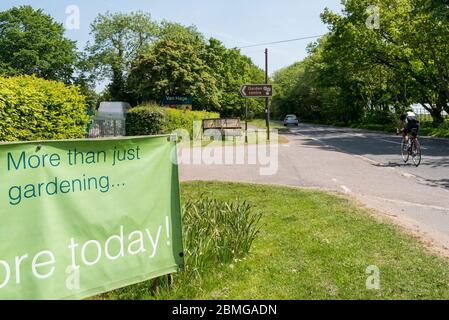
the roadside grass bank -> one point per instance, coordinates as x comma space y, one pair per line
311, 245
277, 125
261, 123
428, 129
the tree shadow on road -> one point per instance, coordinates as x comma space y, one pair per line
440, 183
383, 148
392, 165
372, 144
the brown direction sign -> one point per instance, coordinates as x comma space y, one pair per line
256, 90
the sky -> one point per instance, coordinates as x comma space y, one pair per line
236, 23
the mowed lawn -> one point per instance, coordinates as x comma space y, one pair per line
312, 245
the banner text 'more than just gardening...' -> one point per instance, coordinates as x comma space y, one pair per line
87, 216
64, 185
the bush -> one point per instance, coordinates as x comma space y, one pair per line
381, 117
145, 121
36, 109
151, 119
433, 130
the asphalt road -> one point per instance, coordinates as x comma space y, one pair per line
385, 150
364, 165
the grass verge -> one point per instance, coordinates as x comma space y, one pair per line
261, 124
312, 245
427, 129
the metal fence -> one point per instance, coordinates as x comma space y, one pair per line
424, 115
107, 128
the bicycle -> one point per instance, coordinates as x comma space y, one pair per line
412, 148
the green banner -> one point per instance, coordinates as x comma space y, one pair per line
84, 217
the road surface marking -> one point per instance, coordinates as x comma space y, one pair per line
408, 175
407, 203
369, 160
395, 142
346, 189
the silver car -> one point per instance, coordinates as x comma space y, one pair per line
291, 120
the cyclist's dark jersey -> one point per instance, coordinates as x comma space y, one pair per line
411, 122
410, 118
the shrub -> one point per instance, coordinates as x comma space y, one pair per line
36, 109
145, 120
433, 130
151, 119
381, 117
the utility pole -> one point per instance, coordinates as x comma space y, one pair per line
267, 99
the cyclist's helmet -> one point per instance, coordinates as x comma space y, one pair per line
407, 113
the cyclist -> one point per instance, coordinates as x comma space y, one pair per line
408, 122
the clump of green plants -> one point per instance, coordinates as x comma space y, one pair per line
216, 233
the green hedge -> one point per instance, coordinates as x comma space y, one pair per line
435, 130
36, 109
152, 119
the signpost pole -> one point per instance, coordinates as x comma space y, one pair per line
246, 121
257, 91
267, 99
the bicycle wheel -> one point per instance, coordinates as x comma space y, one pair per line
416, 153
405, 152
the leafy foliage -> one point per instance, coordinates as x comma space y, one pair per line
36, 109
356, 71
147, 60
173, 68
150, 119
182, 62
31, 42
118, 39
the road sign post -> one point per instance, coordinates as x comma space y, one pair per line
246, 121
257, 91
267, 100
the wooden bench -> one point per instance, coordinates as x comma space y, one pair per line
231, 127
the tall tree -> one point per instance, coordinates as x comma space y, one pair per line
31, 42
118, 39
183, 62
173, 68
371, 69
410, 42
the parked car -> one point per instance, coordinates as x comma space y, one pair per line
291, 120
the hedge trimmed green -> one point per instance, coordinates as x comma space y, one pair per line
36, 109
151, 119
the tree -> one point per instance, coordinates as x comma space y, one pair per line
183, 62
31, 42
411, 45
371, 71
118, 40
173, 68
232, 70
